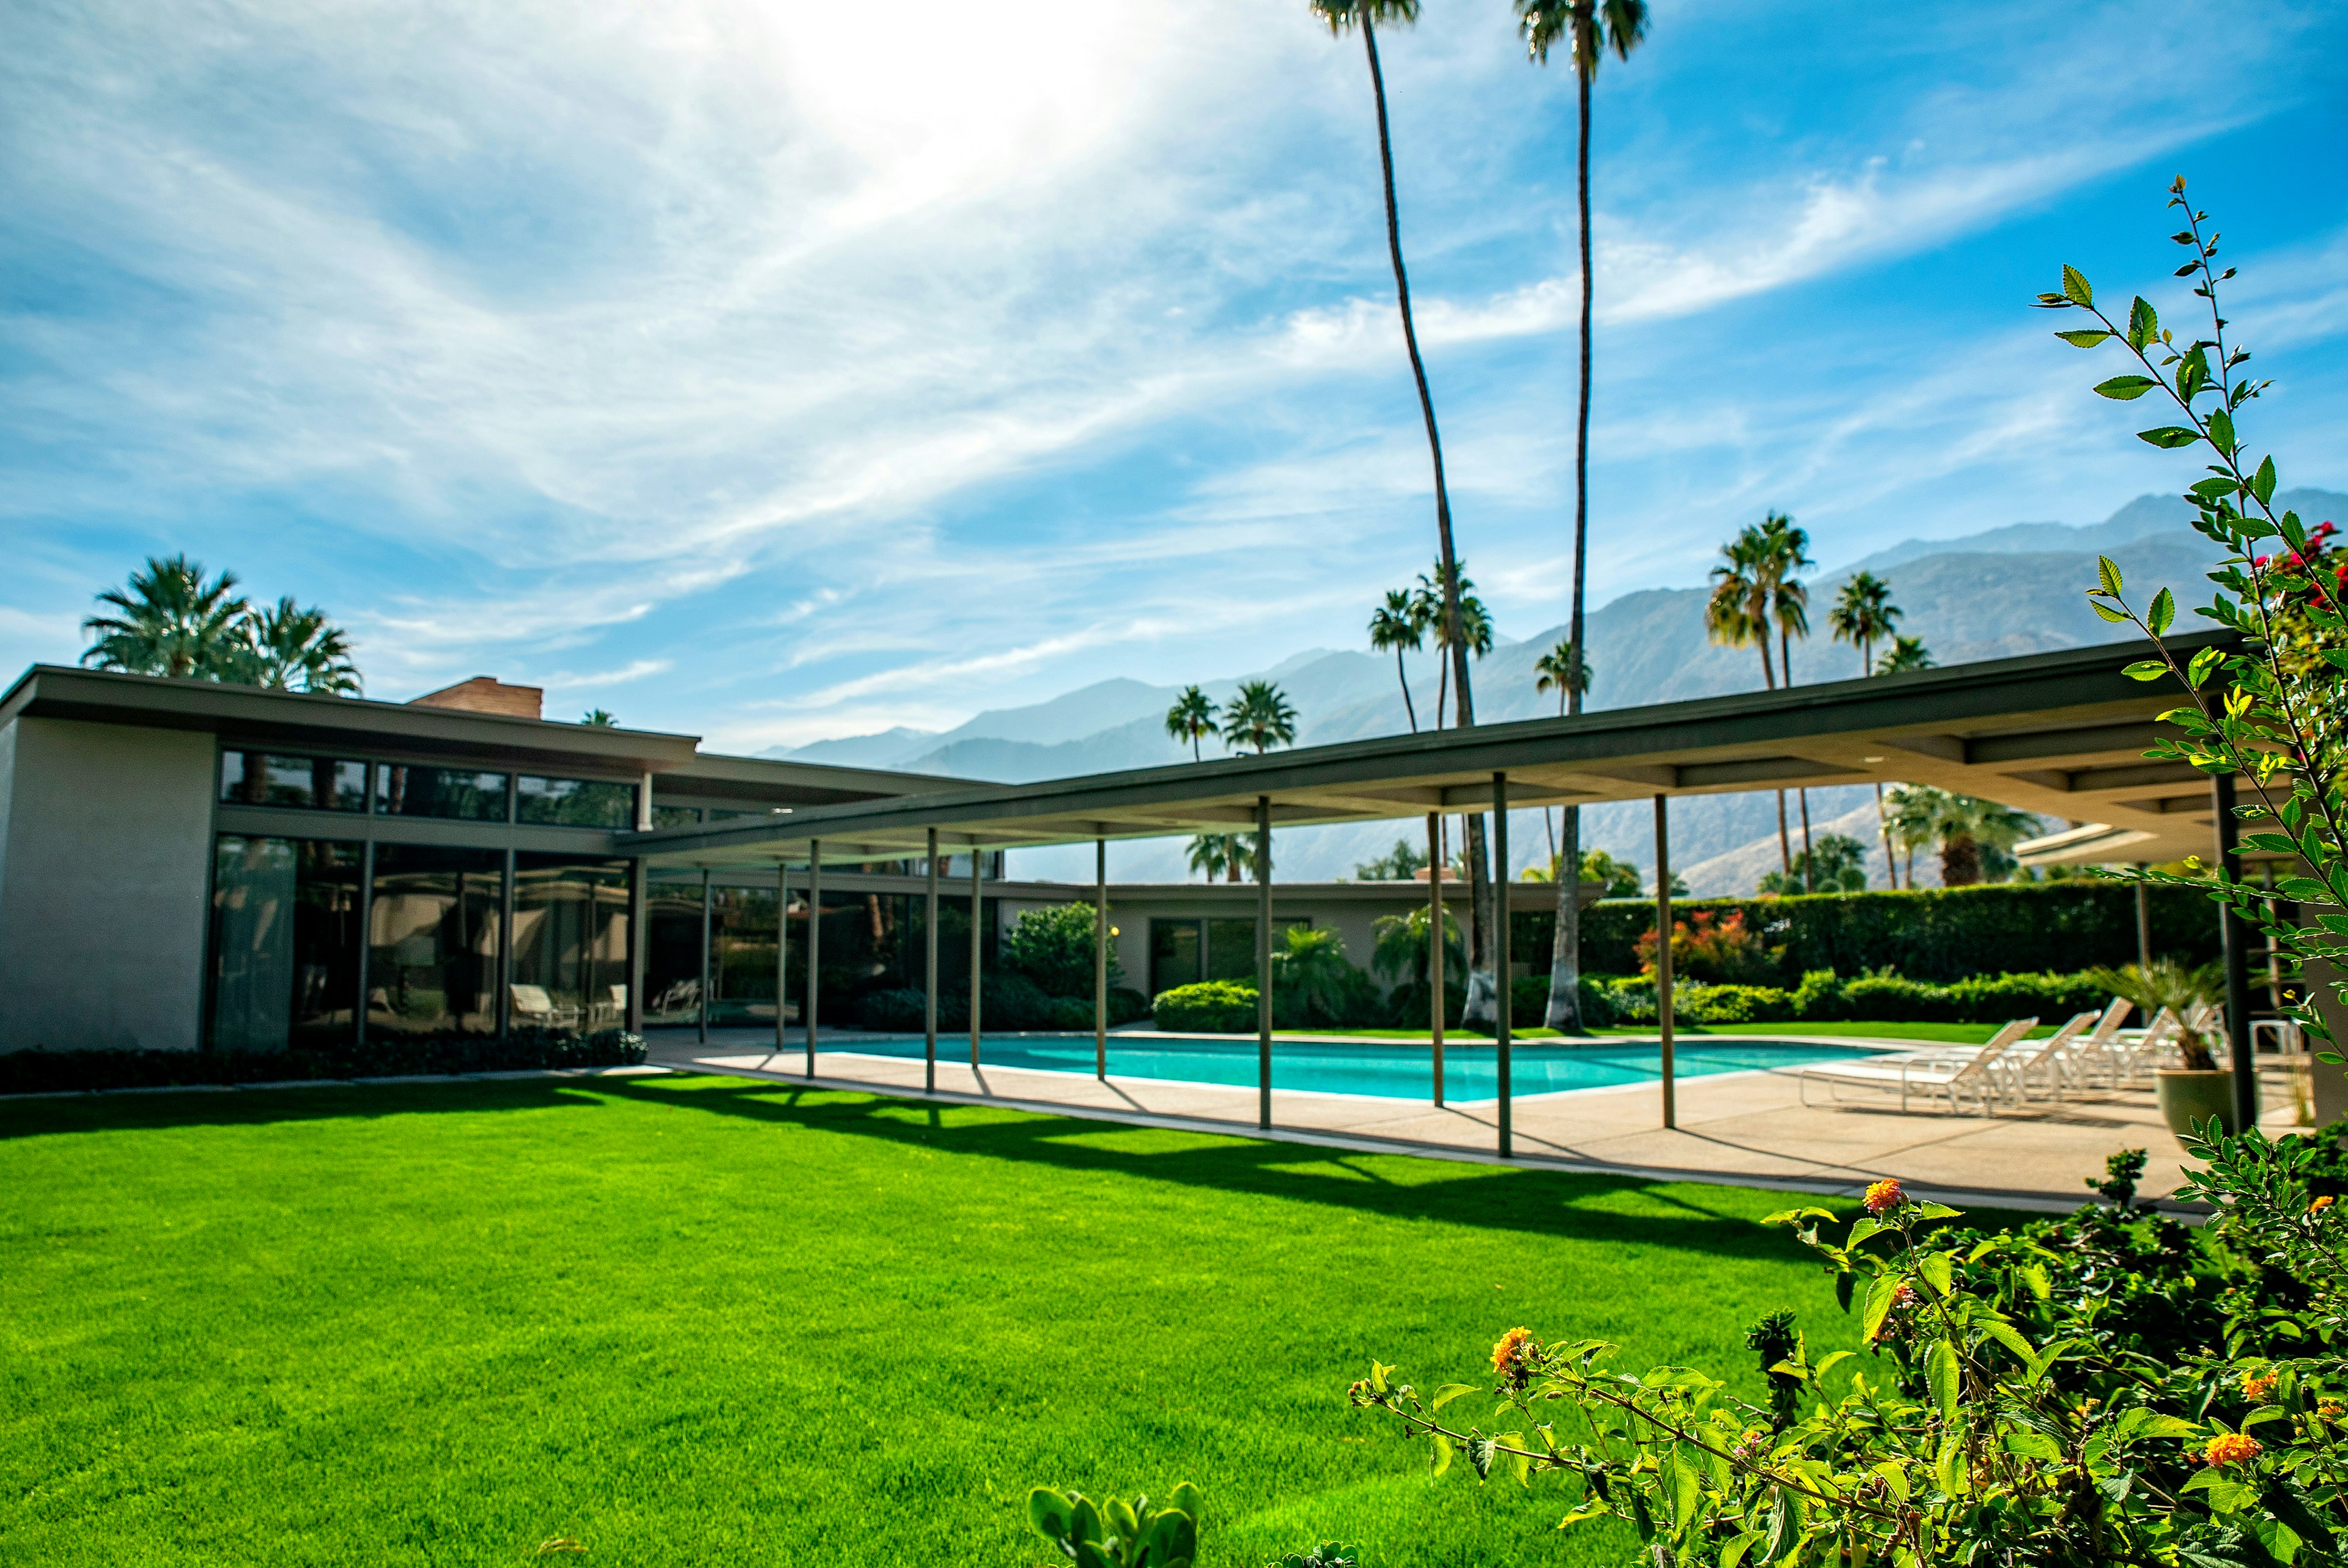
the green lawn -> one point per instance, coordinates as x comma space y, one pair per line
1940, 1033
696, 1321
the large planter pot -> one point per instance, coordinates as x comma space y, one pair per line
2187, 1097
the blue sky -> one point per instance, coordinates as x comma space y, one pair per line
773, 371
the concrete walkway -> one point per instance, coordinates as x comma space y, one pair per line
1741, 1128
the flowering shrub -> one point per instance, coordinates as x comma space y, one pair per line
1710, 946
2104, 1388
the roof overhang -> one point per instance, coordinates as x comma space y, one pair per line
2061, 733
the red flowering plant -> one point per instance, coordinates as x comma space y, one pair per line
1709, 948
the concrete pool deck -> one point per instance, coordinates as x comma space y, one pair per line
1742, 1128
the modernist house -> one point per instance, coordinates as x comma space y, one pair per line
186, 863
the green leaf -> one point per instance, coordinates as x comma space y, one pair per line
2303, 891
1685, 1489
1480, 1456
2033, 1445
2076, 290
1819, 1373
2106, 610
1189, 1500
1734, 1553
2222, 432
1949, 1467
1448, 1392
2125, 388
2005, 1334
2169, 437
1940, 1370
1123, 1520
1050, 1513
1378, 1371
1088, 1554
1879, 1297
2144, 326
2084, 337
2107, 576
2146, 669
2198, 671
1522, 1464
2262, 483
1930, 1211
1779, 1536
1443, 1450
2163, 611
1939, 1270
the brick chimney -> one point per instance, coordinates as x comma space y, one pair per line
486, 694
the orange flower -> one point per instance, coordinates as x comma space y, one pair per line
1883, 1197
2319, 1204
1511, 1355
2257, 1388
2330, 1409
2230, 1448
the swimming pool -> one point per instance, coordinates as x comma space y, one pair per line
1388, 1070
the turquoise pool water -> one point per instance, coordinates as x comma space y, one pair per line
1390, 1069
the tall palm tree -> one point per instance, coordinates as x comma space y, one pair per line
1225, 855
1449, 586
1862, 616
1591, 27
599, 719
1738, 616
171, 622
292, 648
1905, 654
1397, 625
1190, 717
1563, 669
1366, 14
1260, 716
1784, 550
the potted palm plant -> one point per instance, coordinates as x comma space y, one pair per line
2199, 1089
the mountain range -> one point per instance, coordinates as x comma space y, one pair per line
2016, 588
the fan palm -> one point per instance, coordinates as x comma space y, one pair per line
295, 649
1450, 586
1737, 615
1397, 625
1401, 950
1192, 716
1966, 828
171, 622
1784, 550
1863, 615
1260, 716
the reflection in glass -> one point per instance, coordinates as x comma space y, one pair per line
574, 803
1173, 955
432, 938
676, 815
742, 956
673, 955
405, 791
255, 778
285, 942
1231, 946
569, 943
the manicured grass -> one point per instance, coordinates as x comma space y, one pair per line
1939, 1033
693, 1321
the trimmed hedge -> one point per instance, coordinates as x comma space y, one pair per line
391, 1056
1937, 934
1210, 1006
1823, 997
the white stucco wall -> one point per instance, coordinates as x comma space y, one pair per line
105, 837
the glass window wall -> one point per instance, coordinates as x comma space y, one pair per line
574, 803
569, 943
676, 815
286, 933
432, 940
258, 778
1173, 955
742, 939
672, 953
405, 791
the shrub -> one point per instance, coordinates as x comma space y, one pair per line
384, 1056
1053, 950
1209, 1006
1733, 1004
1711, 947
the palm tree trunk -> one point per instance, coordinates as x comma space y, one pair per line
1883, 825
1563, 1012
1402, 676
1479, 893
1810, 860
1784, 840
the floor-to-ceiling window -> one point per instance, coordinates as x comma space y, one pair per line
742, 935
673, 952
432, 940
569, 942
285, 942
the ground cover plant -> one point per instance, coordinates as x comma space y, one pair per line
691, 1320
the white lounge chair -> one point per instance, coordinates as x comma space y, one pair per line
2135, 1050
531, 1005
2056, 1057
1954, 1077
2098, 1051
2009, 1035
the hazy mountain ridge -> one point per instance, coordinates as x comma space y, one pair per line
2012, 590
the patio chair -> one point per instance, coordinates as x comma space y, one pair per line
2055, 1056
2097, 1052
2135, 1050
1954, 1077
2009, 1034
531, 1005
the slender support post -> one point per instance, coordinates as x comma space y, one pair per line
701, 1018
930, 973
783, 954
1100, 958
1663, 954
644, 804
505, 970
1435, 943
1263, 960
1501, 1035
2234, 948
640, 916
2143, 924
814, 942
977, 908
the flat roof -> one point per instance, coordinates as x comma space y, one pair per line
2060, 733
